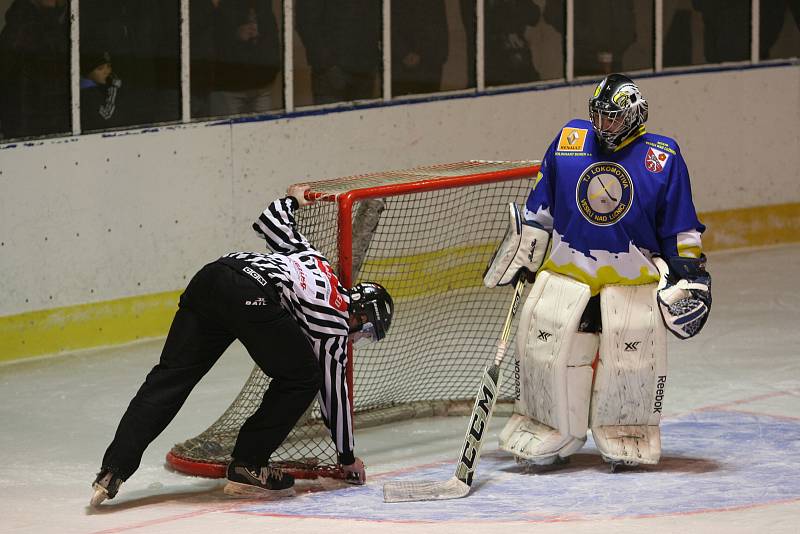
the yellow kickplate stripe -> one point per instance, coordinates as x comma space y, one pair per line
430, 273
87, 325
751, 227
124, 320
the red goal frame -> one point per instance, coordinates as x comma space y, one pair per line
346, 192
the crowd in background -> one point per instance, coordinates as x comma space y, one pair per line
130, 51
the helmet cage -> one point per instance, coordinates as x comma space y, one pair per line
366, 332
372, 305
612, 126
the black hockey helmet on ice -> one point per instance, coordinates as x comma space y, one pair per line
373, 307
617, 110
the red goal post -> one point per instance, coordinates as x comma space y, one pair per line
426, 234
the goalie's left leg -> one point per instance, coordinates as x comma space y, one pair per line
630, 377
551, 413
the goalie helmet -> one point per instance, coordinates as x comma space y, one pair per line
617, 110
372, 307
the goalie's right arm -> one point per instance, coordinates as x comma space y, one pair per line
523, 247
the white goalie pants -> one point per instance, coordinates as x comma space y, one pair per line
570, 381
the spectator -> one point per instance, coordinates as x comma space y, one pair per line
604, 30
342, 40
99, 92
678, 39
248, 56
141, 36
773, 18
419, 46
508, 53
34, 69
726, 29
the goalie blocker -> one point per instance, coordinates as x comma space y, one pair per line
523, 247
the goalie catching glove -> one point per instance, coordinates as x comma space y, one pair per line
684, 294
523, 247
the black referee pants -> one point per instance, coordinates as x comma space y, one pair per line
218, 306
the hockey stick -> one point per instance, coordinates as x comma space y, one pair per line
459, 485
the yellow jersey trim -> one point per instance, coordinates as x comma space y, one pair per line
632, 138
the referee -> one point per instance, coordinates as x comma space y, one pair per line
294, 318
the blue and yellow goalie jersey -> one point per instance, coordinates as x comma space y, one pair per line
610, 213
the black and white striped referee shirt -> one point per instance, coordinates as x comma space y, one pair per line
312, 294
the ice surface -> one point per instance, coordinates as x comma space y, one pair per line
731, 439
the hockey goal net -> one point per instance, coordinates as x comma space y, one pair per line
426, 234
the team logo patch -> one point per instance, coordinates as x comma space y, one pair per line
655, 160
572, 139
604, 193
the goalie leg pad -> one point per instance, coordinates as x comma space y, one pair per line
631, 375
552, 406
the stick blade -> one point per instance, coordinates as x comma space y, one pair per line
424, 490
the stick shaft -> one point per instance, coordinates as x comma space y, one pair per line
486, 398
459, 485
